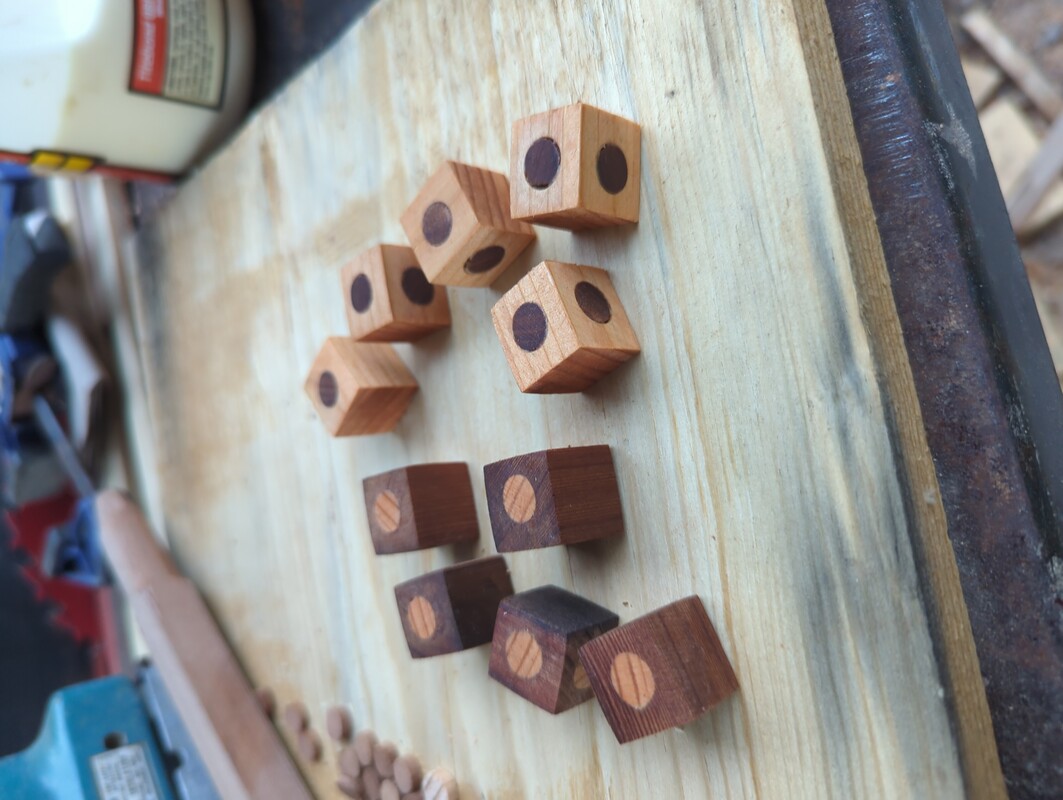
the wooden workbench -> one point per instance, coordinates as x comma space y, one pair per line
769, 444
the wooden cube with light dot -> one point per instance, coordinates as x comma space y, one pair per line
536, 643
389, 298
661, 671
562, 328
454, 608
420, 506
460, 228
575, 167
359, 389
553, 497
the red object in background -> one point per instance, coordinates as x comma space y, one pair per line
31, 522
14, 158
150, 47
86, 612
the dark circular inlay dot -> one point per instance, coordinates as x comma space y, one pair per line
529, 327
327, 389
541, 162
483, 260
416, 286
436, 223
592, 302
612, 169
361, 293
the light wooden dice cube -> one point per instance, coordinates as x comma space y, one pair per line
562, 327
460, 227
389, 299
359, 389
575, 167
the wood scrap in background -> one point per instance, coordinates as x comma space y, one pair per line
1042, 171
1016, 63
1013, 144
983, 78
1028, 168
237, 742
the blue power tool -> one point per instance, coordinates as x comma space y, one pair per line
109, 739
96, 744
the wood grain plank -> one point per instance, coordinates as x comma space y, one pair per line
964, 305
753, 437
942, 592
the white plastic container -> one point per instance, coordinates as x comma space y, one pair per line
121, 86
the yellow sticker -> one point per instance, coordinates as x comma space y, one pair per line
44, 159
79, 164
52, 161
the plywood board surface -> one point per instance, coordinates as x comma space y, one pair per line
752, 436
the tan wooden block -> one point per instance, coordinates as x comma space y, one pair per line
460, 227
389, 299
575, 167
562, 328
359, 389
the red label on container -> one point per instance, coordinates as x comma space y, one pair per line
149, 48
180, 50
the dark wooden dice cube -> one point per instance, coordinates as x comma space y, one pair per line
553, 497
420, 506
453, 608
661, 671
536, 643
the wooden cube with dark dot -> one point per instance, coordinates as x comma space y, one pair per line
563, 328
359, 388
553, 497
661, 671
460, 228
420, 506
575, 167
389, 299
535, 647
454, 608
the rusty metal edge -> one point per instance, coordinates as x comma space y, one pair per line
990, 399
